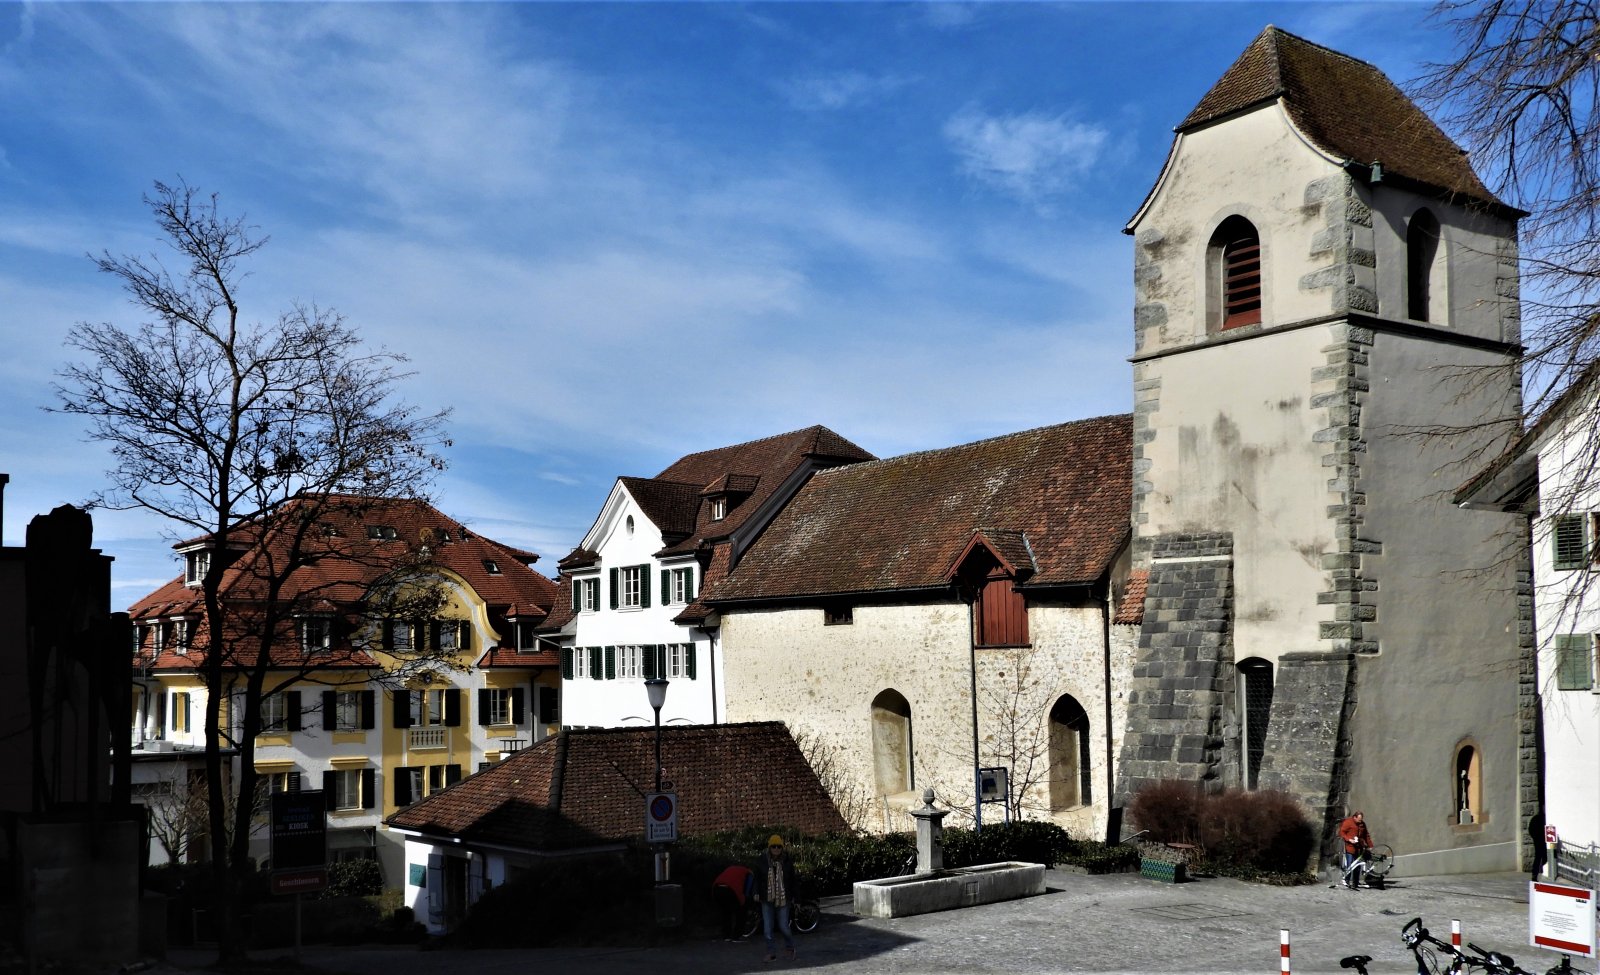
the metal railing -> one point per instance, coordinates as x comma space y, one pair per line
425, 738
1579, 864
510, 745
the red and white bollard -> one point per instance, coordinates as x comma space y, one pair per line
1283, 951
1455, 934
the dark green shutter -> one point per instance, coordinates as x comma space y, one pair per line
611, 663
573, 584
688, 585
1574, 671
644, 586
369, 706
688, 660
566, 663
402, 786
613, 588
483, 705
402, 709
517, 706
666, 586
464, 639
659, 651
369, 788
597, 666
452, 707
549, 705
330, 711
1567, 536
388, 634
433, 634
330, 789
648, 663
293, 708
452, 775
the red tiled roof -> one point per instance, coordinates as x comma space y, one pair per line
899, 524
582, 788
1131, 609
762, 465
1349, 108
346, 563
546, 656
670, 505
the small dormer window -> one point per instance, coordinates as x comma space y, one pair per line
719, 509
491, 566
316, 634
384, 533
195, 567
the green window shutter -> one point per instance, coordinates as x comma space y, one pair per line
644, 586
330, 710
649, 663
1568, 542
597, 659
688, 585
452, 707
1574, 670
574, 585
611, 663
518, 707
369, 788
566, 663
688, 660
666, 586
659, 652
402, 709
483, 705
294, 710
465, 639
369, 707
613, 588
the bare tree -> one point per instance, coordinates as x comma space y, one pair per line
1522, 92
827, 760
1015, 703
245, 436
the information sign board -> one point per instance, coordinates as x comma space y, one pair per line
299, 840
1561, 918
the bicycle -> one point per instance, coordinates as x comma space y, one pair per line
804, 915
1370, 868
1422, 945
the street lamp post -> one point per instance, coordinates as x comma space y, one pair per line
656, 687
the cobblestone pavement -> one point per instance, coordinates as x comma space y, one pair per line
1110, 924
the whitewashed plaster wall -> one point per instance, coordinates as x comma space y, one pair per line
786, 665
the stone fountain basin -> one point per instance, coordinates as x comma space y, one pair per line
924, 893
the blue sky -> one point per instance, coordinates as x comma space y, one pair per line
611, 234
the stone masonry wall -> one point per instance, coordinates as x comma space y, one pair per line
1308, 748
1177, 703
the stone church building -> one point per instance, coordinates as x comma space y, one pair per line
1325, 337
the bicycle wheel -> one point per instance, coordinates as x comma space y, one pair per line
752, 919
1427, 961
805, 916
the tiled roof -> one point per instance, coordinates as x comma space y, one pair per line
561, 611
761, 465
899, 524
1348, 108
498, 657
1131, 609
582, 788
578, 558
670, 505
348, 562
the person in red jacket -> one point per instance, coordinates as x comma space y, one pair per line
1357, 847
731, 889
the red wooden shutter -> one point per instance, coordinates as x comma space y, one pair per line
1241, 282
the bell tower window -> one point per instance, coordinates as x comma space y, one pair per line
1233, 264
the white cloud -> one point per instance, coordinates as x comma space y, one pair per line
845, 89
1031, 156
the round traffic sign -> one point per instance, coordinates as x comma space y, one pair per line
661, 808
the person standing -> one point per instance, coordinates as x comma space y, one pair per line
1357, 846
776, 890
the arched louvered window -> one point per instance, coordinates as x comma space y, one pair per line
1237, 247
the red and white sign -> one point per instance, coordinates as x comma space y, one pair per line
661, 817
1550, 835
1561, 918
307, 881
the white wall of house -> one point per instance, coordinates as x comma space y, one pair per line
787, 665
1568, 604
625, 537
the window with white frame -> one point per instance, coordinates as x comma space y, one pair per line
161, 630
347, 711
631, 587
316, 634
274, 713
680, 585
719, 509
630, 662
195, 567
180, 635
452, 635
347, 789
498, 700
401, 635
581, 658
275, 782
677, 660
527, 638
180, 711
586, 595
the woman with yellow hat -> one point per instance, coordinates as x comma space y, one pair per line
776, 889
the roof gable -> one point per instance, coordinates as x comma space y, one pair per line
1347, 108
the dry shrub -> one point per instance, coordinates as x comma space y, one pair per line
1168, 811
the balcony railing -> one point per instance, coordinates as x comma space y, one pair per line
510, 746
426, 738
